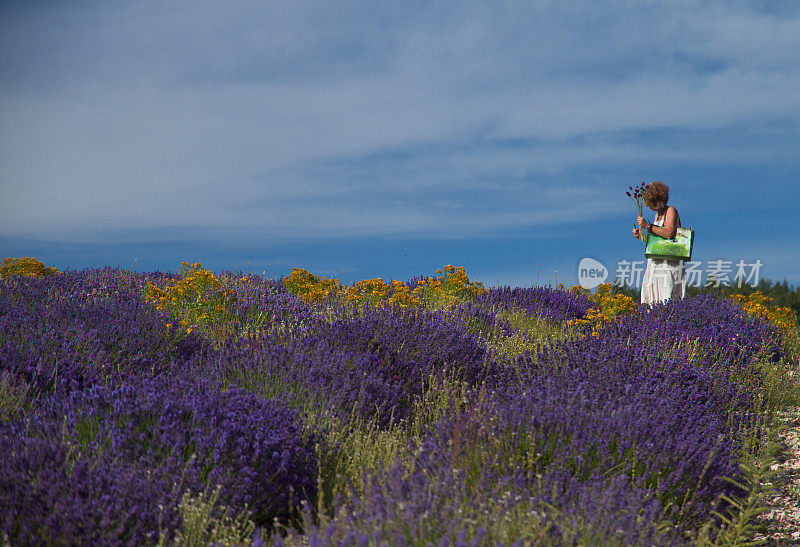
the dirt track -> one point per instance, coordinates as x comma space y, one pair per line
782, 517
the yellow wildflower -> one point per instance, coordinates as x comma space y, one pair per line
760, 305
25, 266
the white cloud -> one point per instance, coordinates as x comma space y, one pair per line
312, 119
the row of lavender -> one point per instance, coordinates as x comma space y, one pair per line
110, 415
626, 438
111, 426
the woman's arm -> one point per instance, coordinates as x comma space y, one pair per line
670, 227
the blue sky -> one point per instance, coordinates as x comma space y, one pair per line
367, 139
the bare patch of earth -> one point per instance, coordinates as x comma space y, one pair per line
780, 521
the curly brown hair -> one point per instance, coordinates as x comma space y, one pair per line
656, 195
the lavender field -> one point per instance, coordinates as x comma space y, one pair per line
195, 408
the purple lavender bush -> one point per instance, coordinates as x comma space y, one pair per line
553, 304
252, 303
708, 334
67, 331
372, 363
661, 431
108, 464
623, 438
463, 488
573, 459
301, 371
629, 438
410, 344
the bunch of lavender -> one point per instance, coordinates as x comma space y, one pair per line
637, 197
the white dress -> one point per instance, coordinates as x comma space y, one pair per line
663, 279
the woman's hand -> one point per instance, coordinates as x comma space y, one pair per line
635, 233
641, 222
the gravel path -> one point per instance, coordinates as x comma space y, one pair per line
782, 517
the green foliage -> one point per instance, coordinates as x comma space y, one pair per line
15, 394
736, 524
356, 448
530, 331
203, 522
197, 299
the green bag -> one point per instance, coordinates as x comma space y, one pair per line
678, 248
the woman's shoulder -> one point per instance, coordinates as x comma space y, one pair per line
677, 216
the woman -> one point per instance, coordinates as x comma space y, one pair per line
663, 279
